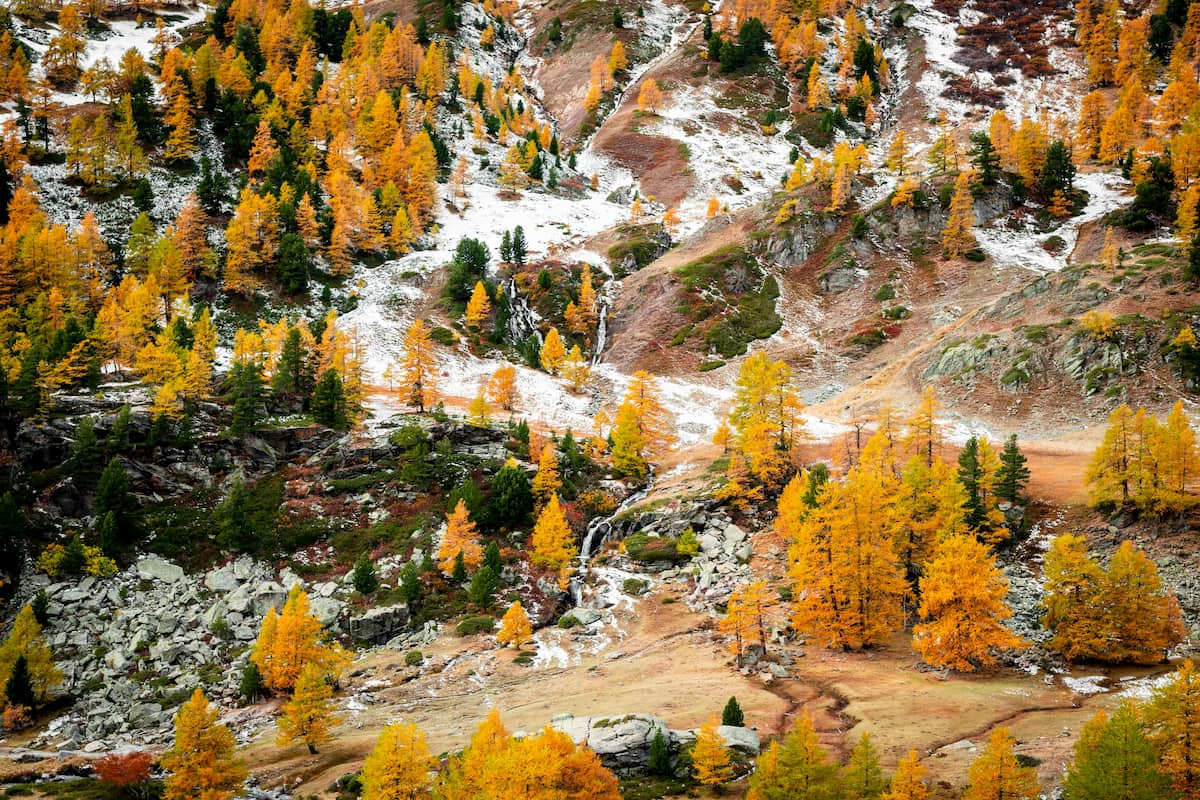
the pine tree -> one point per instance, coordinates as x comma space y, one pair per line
202, 763
328, 403
309, 713
399, 766
963, 600
114, 494
18, 689
732, 714
1013, 474
997, 774
461, 537
484, 583
710, 758
1115, 761
659, 762
365, 578
515, 628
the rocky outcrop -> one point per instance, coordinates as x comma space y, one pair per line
623, 742
378, 624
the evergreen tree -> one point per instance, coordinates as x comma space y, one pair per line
251, 686
483, 586
410, 583
732, 714
506, 248
863, 777
293, 368
113, 495
6, 191
458, 573
248, 396
365, 579
85, 453
512, 497
660, 755
292, 259
1013, 474
985, 158
19, 688
1058, 173
518, 246
491, 557
212, 190
970, 475
328, 403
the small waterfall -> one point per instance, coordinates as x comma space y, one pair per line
597, 533
601, 331
522, 320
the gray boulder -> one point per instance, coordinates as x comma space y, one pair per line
379, 624
622, 743
158, 569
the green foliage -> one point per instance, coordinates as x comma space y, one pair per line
1116, 762
410, 583
458, 572
687, 544
328, 403
660, 755
414, 658
732, 714
512, 498
19, 688
1013, 474
484, 584
251, 687
113, 495
473, 625
86, 454
247, 520
365, 579
648, 549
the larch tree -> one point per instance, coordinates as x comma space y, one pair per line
552, 544
478, 307
650, 97
547, 481
897, 155
289, 641
745, 617
796, 767
642, 428
461, 537
1115, 761
399, 766
849, 584
576, 369
515, 628
25, 640
553, 352
418, 368
202, 763
863, 777
997, 774
1172, 720
908, 783
711, 763
1071, 591
502, 387
766, 417
479, 412
308, 714
957, 237
963, 602
1144, 620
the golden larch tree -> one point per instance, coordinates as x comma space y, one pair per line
963, 602
461, 537
711, 763
908, 782
1172, 720
202, 764
418, 368
957, 238
552, 544
553, 352
399, 766
745, 617
515, 628
546, 482
502, 387
997, 774
308, 714
650, 97
25, 640
478, 307
289, 641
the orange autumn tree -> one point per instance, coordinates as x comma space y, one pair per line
642, 429
908, 783
515, 628
398, 766
962, 601
1172, 721
849, 584
710, 758
1072, 582
547, 766
461, 537
502, 387
309, 713
546, 482
289, 641
997, 774
202, 763
744, 618
418, 368
552, 544
478, 307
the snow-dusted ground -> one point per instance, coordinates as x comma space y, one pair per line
736, 150
1023, 248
